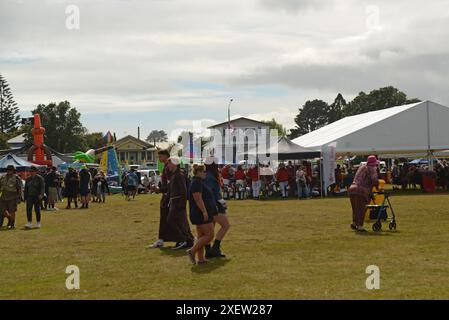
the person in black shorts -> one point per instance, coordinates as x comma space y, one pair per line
202, 211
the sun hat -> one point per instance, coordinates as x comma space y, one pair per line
372, 161
10, 167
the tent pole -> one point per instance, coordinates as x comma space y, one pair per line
428, 137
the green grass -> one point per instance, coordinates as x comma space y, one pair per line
276, 250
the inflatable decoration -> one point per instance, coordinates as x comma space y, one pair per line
39, 153
89, 155
109, 162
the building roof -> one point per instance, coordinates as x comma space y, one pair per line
144, 144
17, 139
408, 128
237, 119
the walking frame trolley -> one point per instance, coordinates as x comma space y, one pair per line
379, 212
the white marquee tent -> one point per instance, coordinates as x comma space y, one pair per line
412, 128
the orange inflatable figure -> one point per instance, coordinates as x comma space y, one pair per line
39, 153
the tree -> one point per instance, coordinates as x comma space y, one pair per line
9, 112
282, 132
94, 140
313, 115
336, 109
3, 141
379, 99
63, 129
157, 136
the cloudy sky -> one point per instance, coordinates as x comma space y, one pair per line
159, 64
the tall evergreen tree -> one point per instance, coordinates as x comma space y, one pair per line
9, 112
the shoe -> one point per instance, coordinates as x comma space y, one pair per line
158, 244
191, 257
361, 229
353, 226
28, 225
202, 262
180, 245
217, 253
38, 225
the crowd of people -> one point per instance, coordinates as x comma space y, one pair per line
261, 181
42, 190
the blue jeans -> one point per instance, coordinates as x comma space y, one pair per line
303, 190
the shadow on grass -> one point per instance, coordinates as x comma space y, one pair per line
212, 265
173, 253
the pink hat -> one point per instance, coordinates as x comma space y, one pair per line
372, 161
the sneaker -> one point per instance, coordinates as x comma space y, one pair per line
158, 244
38, 225
180, 245
28, 225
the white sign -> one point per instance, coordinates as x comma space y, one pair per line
328, 166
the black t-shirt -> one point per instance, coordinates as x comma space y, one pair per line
197, 185
52, 179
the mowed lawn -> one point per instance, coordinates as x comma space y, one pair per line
276, 250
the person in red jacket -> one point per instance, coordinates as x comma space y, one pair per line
225, 174
282, 177
253, 173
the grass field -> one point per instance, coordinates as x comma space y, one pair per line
276, 250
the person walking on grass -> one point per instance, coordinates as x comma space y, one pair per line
33, 194
51, 184
102, 187
132, 181
202, 207
71, 183
85, 180
177, 212
166, 232
359, 192
212, 181
10, 196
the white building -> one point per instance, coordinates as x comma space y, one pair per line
230, 140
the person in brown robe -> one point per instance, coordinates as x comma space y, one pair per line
359, 192
166, 232
177, 212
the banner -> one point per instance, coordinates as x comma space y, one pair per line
329, 165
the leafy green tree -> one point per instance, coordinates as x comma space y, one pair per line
9, 112
379, 99
157, 136
282, 132
313, 115
94, 140
336, 109
63, 129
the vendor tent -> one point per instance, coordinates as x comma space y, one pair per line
285, 149
418, 127
18, 163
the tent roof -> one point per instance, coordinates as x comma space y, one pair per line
402, 129
18, 163
288, 150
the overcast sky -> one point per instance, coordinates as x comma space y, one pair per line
159, 64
